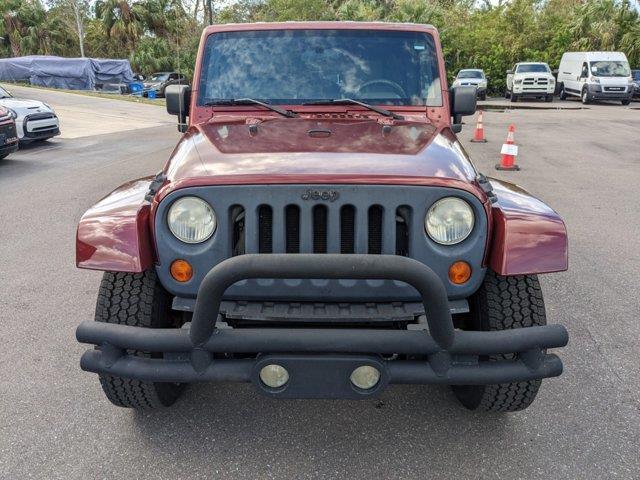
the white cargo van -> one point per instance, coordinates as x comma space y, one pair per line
595, 76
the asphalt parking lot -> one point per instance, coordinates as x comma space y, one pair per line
55, 422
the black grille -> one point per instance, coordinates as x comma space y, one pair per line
265, 229
347, 229
319, 229
375, 230
237, 217
292, 229
403, 216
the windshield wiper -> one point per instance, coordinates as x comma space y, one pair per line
351, 101
250, 101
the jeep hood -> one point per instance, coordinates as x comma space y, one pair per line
304, 150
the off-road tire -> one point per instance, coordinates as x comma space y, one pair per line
136, 299
503, 303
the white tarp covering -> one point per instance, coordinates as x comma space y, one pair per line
67, 73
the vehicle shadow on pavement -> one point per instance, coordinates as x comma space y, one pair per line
234, 420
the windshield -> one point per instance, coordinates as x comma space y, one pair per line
292, 67
159, 77
4, 93
533, 68
470, 74
608, 68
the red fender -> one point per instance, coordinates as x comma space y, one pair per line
114, 235
528, 236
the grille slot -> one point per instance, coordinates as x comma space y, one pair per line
374, 237
237, 219
320, 229
292, 229
403, 217
347, 229
265, 229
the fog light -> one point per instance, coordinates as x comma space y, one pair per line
365, 377
274, 376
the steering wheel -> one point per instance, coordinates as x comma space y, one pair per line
384, 81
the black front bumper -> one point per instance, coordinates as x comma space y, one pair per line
320, 361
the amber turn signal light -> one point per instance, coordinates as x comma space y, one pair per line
181, 270
459, 272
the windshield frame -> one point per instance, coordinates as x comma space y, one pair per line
439, 88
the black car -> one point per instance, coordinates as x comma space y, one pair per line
635, 77
161, 80
8, 134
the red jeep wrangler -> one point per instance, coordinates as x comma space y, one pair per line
320, 232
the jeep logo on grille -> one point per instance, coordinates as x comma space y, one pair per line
326, 195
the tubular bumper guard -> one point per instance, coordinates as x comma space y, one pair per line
320, 361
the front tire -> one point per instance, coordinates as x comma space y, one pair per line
504, 303
563, 93
548, 98
513, 97
139, 300
626, 102
585, 97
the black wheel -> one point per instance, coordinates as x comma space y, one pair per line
626, 102
548, 98
563, 93
483, 96
507, 93
585, 97
513, 97
503, 303
136, 299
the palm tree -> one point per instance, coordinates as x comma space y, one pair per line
120, 21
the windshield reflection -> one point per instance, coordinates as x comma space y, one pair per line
300, 66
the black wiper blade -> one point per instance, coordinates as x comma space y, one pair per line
351, 101
249, 101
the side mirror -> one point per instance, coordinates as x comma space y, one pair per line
509, 72
178, 101
463, 102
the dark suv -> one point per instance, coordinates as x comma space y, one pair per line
158, 82
320, 232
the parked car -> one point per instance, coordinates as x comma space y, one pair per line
34, 120
8, 134
595, 76
320, 232
530, 79
635, 76
474, 77
160, 81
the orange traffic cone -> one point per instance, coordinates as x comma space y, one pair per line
478, 136
509, 152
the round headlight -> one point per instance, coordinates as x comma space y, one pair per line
449, 221
191, 220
